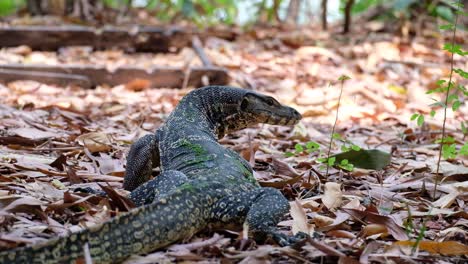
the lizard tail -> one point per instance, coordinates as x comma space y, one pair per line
178, 215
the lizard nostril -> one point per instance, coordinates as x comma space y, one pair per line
296, 113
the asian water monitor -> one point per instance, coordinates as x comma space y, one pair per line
201, 183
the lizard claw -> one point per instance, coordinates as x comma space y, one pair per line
285, 240
90, 191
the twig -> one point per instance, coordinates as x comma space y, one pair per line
445, 106
198, 47
342, 80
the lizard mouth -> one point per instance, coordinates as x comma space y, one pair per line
287, 116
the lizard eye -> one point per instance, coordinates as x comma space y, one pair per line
270, 102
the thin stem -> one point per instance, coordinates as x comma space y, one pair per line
333, 129
446, 103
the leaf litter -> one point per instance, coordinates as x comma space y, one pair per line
55, 140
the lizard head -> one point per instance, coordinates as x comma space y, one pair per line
230, 109
257, 108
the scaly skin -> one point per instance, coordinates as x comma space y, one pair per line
201, 183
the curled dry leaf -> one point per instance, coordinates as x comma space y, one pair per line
396, 231
373, 229
300, 223
332, 196
95, 141
321, 220
449, 248
280, 184
284, 168
32, 133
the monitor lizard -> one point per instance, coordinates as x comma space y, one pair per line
201, 183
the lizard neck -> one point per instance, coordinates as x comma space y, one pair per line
217, 109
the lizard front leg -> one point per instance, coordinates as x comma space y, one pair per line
261, 209
142, 158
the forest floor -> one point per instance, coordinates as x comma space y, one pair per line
55, 139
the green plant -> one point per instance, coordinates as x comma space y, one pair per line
452, 94
313, 146
342, 79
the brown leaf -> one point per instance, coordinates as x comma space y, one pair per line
59, 163
123, 203
27, 205
373, 229
300, 223
449, 248
283, 168
396, 231
332, 196
33, 133
95, 141
280, 184
138, 84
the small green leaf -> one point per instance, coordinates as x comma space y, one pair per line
446, 27
414, 116
289, 154
355, 147
321, 160
456, 105
299, 148
312, 146
449, 151
438, 104
454, 48
433, 112
462, 73
446, 140
463, 128
452, 97
331, 161
344, 148
420, 120
343, 78
336, 136
440, 82
344, 164
464, 150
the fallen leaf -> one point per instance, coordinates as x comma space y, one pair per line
449, 248
396, 231
300, 223
372, 229
332, 196
32, 133
95, 141
372, 159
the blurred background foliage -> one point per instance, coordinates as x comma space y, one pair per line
243, 12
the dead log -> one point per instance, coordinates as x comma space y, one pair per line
142, 38
62, 79
97, 75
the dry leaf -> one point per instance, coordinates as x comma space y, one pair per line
449, 248
396, 231
95, 141
373, 229
300, 223
332, 196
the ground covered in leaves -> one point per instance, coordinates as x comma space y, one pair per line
56, 139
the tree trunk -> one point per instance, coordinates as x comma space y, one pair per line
276, 5
347, 18
293, 12
34, 7
324, 15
